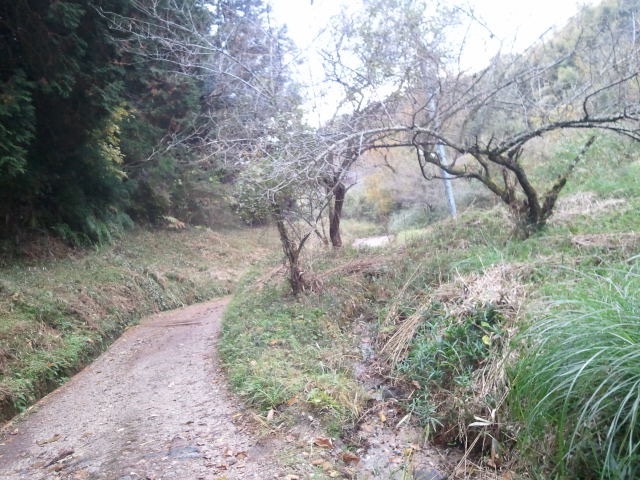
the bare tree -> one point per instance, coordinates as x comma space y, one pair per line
251, 120
341, 148
486, 119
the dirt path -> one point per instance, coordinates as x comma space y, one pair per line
154, 406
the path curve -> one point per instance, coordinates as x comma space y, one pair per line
154, 406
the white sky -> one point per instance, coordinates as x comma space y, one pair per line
506, 18
515, 23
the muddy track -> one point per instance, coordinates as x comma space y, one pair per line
154, 406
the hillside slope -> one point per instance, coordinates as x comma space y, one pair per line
439, 330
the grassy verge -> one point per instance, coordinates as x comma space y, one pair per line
59, 313
576, 386
447, 307
290, 357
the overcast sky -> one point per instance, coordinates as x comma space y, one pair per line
516, 23
506, 18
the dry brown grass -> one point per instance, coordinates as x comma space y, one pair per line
499, 286
370, 265
585, 204
610, 241
397, 346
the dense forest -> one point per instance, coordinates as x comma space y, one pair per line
102, 125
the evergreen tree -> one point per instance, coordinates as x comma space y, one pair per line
105, 105
61, 89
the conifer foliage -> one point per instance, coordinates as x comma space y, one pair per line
60, 91
99, 124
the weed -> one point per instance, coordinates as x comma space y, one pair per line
576, 388
444, 354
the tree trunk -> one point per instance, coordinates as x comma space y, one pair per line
335, 215
292, 257
538, 213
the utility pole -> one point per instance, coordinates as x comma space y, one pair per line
442, 155
432, 94
446, 178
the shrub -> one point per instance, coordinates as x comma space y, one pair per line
444, 357
576, 387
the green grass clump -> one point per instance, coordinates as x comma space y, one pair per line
576, 387
280, 352
444, 355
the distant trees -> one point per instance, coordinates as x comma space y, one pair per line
230, 47
86, 123
131, 108
588, 81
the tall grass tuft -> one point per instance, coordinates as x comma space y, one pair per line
576, 387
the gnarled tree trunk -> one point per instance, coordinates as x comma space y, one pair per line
292, 247
335, 214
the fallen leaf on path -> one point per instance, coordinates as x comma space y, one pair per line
349, 457
241, 455
382, 416
292, 400
80, 475
323, 442
404, 419
334, 474
365, 427
270, 414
